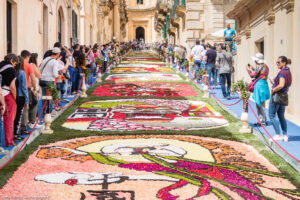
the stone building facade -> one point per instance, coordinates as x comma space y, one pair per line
36, 25
141, 15
184, 21
270, 27
112, 20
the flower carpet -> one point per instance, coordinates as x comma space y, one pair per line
145, 89
144, 114
142, 69
141, 65
149, 62
147, 136
142, 59
143, 77
149, 167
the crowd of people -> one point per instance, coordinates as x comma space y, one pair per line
217, 62
24, 80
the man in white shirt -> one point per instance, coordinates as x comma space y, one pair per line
49, 71
197, 55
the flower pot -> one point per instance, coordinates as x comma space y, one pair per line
48, 92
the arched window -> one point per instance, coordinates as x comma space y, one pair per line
60, 25
140, 2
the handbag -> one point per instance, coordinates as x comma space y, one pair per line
252, 85
254, 81
281, 98
32, 99
67, 75
230, 64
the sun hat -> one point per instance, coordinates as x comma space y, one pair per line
259, 58
56, 50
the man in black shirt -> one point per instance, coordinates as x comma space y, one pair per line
210, 58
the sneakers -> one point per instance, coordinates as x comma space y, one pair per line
285, 138
30, 125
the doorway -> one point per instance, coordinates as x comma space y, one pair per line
140, 33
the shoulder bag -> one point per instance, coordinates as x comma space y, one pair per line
230, 64
281, 98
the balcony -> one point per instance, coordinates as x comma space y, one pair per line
180, 8
172, 30
162, 7
105, 6
175, 22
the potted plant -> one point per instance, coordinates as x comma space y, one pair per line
201, 72
99, 61
87, 72
186, 63
51, 90
242, 88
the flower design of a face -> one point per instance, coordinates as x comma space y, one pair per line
135, 149
130, 150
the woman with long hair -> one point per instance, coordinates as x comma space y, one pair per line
22, 96
279, 100
32, 115
81, 65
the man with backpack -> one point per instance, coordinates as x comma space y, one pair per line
225, 64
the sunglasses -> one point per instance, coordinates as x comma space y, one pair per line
278, 62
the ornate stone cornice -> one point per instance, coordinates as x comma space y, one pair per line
248, 32
141, 9
289, 6
270, 16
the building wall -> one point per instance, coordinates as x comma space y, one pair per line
202, 18
281, 37
141, 15
29, 25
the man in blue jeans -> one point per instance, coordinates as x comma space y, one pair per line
210, 59
225, 62
196, 53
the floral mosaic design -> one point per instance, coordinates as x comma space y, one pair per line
145, 89
142, 70
142, 59
144, 114
149, 62
143, 77
149, 167
141, 65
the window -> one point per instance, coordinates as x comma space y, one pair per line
74, 26
59, 27
140, 2
260, 46
9, 27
